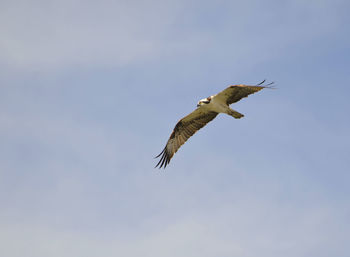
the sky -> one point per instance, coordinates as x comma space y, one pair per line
91, 90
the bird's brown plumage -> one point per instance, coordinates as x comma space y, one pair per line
234, 93
197, 119
183, 130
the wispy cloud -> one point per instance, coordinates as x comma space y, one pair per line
51, 34
90, 92
242, 228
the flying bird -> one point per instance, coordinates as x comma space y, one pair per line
207, 109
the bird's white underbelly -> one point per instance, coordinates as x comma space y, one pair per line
218, 106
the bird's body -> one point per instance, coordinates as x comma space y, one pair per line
218, 104
207, 109
215, 105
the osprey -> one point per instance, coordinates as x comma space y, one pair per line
207, 109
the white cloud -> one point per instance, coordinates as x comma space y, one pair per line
45, 35
76, 181
245, 228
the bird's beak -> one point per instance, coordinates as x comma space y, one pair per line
198, 105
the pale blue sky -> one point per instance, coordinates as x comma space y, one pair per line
91, 90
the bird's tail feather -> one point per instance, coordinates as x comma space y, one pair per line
235, 114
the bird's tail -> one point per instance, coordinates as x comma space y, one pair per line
235, 114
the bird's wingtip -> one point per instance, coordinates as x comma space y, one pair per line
266, 85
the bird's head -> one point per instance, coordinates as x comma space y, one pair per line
204, 101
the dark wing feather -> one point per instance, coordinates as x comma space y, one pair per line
234, 93
183, 130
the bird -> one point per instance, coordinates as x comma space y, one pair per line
207, 109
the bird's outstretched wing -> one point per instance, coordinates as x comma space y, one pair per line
234, 93
183, 130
